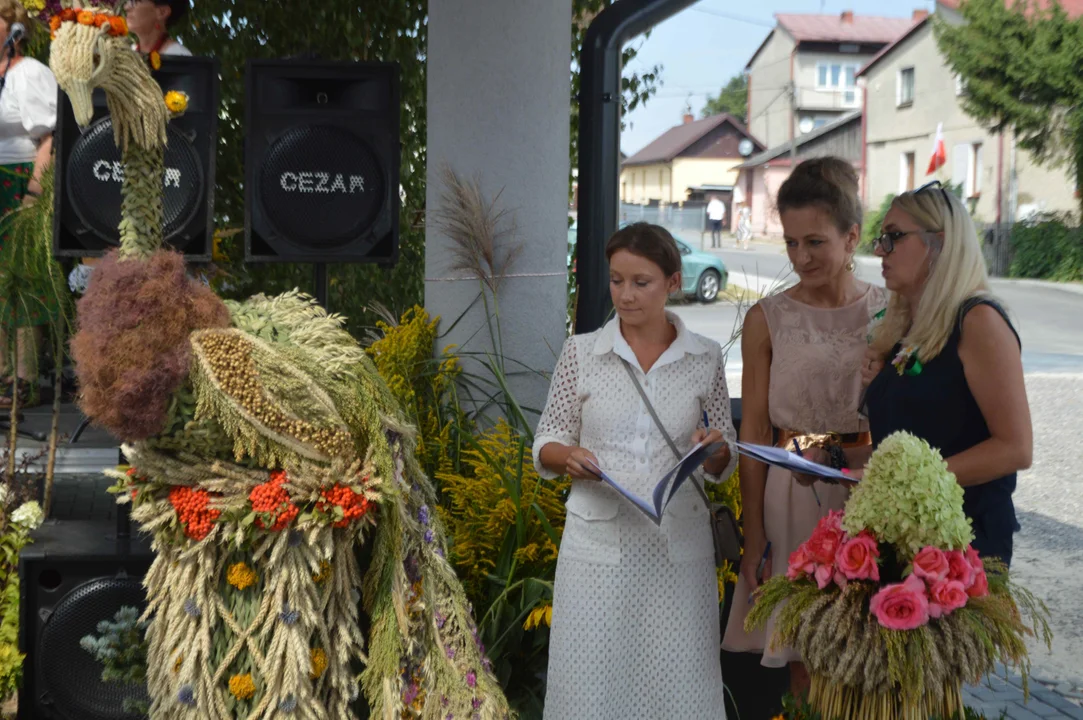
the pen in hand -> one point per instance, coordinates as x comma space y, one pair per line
760, 568
797, 448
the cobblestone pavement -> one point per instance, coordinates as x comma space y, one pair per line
1049, 502
1002, 695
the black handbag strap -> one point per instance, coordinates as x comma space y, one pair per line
662, 428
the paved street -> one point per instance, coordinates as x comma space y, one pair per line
1049, 319
1050, 495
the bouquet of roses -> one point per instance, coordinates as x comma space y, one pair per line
888, 603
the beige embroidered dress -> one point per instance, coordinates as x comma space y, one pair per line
816, 356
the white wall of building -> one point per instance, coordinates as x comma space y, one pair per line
498, 89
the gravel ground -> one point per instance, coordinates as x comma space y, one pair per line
1049, 501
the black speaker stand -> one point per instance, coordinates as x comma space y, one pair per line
323, 287
5, 428
83, 425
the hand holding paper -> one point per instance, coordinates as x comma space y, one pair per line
673, 479
707, 436
579, 462
791, 461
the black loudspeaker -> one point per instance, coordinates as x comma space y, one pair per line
74, 575
89, 171
322, 162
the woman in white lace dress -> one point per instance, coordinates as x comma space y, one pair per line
635, 615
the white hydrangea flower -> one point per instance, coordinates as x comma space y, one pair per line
28, 515
909, 499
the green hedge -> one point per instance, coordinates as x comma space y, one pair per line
1050, 249
870, 228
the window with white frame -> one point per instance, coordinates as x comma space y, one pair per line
966, 168
904, 87
974, 176
907, 171
839, 77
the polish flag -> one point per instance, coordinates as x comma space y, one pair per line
940, 155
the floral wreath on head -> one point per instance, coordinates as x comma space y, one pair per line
100, 15
108, 19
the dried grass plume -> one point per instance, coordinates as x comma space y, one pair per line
480, 232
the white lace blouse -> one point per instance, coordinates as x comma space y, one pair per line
593, 404
27, 110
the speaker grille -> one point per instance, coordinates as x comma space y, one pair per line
72, 675
95, 172
320, 186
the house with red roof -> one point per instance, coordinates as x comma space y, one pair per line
910, 92
761, 175
803, 75
689, 162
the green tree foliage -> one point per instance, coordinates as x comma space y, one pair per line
1021, 68
732, 99
636, 88
873, 225
1049, 249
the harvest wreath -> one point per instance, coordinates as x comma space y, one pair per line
890, 606
264, 450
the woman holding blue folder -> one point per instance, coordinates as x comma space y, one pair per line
802, 351
635, 629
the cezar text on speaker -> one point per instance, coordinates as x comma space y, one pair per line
307, 182
105, 171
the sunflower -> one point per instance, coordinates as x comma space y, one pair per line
177, 102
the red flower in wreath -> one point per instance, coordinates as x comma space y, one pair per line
271, 503
193, 508
354, 505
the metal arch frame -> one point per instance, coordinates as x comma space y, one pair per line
599, 144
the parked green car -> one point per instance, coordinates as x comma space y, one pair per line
703, 275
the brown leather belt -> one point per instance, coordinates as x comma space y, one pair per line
847, 440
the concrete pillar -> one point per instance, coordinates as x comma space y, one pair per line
498, 111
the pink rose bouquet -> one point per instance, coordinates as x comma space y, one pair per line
902, 606
888, 603
857, 559
931, 564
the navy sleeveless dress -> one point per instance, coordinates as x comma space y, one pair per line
937, 406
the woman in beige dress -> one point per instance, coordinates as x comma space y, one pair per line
802, 352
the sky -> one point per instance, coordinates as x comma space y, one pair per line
702, 47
